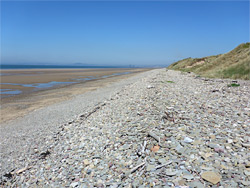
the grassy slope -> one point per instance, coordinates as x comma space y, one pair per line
234, 64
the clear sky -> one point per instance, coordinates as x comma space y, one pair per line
119, 33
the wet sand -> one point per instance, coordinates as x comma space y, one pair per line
35, 76
33, 98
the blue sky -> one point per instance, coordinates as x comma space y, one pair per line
119, 33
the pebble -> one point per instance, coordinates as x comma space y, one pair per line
188, 176
230, 141
86, 162
246, 183
196, 184
74, 184
170, 172
150, 167
211, 177
188, 140
247, 172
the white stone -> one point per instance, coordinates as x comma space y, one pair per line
188, 140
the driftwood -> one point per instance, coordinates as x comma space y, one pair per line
137, 167
160, 166
23, 169
126, 174
144, 146
142, 171
86, 115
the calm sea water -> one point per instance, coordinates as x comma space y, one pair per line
4, 66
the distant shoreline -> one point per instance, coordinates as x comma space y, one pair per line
10, 66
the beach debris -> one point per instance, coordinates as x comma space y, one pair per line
44, 154
137, 167
22, 170
163, 165
8, 175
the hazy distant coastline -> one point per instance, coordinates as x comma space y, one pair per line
23, 66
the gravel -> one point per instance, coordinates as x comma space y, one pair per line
157, 129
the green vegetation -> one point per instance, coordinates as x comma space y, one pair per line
170, 82
237, 71
233, 85
167, 82
234, 64
246, 45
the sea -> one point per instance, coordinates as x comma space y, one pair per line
7, 66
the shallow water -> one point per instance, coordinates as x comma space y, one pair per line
36, 86
47, 85
86, 79
10, 91
40, 85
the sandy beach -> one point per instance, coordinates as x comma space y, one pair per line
73, 82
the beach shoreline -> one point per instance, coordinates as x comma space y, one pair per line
32, 99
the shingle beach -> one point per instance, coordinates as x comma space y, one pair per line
156, 129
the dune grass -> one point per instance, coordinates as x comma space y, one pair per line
234, 64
